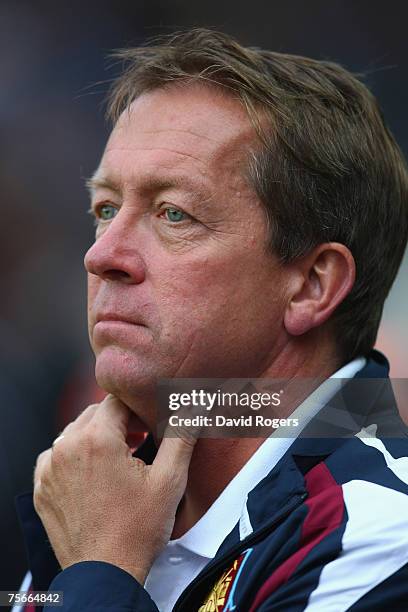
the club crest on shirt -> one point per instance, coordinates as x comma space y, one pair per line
220, 598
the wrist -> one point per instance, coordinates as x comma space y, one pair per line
138, 572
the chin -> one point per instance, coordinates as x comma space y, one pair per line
122, 373
126, 377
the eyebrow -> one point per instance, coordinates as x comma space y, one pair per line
95, 182
149, 183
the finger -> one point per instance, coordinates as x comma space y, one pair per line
43, 460
113, 415
58, 439
77, 425
83, 419
173, 458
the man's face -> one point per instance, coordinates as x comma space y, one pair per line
179, 258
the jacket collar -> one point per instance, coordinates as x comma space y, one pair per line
366, 397
368, 393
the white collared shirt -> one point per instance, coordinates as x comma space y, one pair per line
184, 558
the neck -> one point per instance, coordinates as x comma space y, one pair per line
215, 462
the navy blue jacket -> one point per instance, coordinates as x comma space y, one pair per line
330, 525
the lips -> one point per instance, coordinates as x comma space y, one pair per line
118, 330
116, 319
113, 316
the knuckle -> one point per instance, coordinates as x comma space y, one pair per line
41, 461
92, 439
37, 499
59, 454
39, 494
42, 456
91, 409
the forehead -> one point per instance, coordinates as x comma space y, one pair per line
195, 127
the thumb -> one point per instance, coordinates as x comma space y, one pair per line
113, 415
173, 459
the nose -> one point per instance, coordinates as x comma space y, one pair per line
114, 255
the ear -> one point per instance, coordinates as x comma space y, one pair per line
318, 283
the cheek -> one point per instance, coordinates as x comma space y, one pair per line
93, 285
189, 285
208, 291
215, 316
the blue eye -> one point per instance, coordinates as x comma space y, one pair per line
174, 215
107, 212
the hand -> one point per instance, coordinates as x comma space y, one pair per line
98, 503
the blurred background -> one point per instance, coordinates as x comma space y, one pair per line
54, 76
